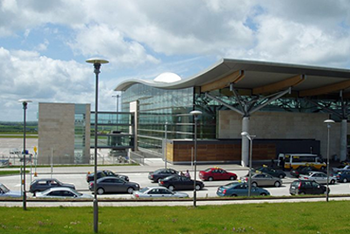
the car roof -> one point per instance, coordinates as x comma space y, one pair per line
60, 188
41, 179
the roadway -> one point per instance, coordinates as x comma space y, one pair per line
139, 174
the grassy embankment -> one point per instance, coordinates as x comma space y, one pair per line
313, 217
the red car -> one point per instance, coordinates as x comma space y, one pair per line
216, 174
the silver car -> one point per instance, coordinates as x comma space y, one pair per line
157, 192
62, 192
5, 192
263, 179
319, 177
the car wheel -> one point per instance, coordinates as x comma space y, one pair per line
301, 193
277, 184
345, 180
171, 187
281, 176
332, 182
254, 184
210, 178
232, 178
263, 194
198, 187
322, 168
234, 195
100, 191
130, 190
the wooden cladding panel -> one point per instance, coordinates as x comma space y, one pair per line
218, 152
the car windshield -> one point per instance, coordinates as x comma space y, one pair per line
4, 188
230, 184
144, 189
207, 170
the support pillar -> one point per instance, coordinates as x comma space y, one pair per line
245, 142
343, 139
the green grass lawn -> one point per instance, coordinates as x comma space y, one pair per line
313, 217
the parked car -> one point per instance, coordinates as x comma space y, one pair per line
306, 187
5, 192
157, 192
240, 189
40, 185
161, 174
304, 170
263, 179
319, 177
272, 171
104, 173
341, 168
176, 182
62, 192
111, 184
343, 176
216, 173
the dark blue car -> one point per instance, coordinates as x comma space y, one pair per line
343, 176
235, 189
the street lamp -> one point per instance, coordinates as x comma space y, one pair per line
250, 138
195, 115
166, 144
116, 101
25, 103
97, 64
328, 122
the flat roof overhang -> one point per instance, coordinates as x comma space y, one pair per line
262, 78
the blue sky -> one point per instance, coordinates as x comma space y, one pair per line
44, 44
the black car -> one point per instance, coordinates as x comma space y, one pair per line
271, 171
161, 174
40, 185
298, 187
111, 184
304, 170
176, 182
104, 173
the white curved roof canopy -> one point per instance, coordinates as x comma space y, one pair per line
262, 76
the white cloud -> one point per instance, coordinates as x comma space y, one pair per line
146, 38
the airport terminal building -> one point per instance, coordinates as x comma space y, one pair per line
283, 105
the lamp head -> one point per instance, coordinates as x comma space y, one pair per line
24, 100
329, 121
244, 134
97, 60
195, 113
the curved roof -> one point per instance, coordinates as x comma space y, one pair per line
261, 77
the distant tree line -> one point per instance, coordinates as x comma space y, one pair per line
17, 127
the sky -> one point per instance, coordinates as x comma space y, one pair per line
44, 44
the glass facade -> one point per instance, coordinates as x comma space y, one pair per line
79, 133
115, 130
160, 107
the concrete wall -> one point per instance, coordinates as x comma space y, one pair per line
57, 131
282, 125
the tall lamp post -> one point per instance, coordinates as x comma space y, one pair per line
250, 138
328, 122
97, 64
25, 103
195, 115
166, 144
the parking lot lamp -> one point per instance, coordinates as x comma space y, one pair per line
250, 138
328, 122
195, 115
97, 64
24, 103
